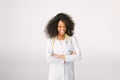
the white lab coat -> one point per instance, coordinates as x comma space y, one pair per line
58, 68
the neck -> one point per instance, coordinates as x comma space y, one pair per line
61, 37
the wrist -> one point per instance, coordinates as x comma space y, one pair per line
63, 57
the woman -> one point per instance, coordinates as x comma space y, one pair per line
62, 48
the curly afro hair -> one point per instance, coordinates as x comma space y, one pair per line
51, 28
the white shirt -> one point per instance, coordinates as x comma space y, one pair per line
58, 68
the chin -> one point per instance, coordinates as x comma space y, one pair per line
62, 34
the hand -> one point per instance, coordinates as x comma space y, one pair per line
59, 56
56, 55
73, 53
62, 57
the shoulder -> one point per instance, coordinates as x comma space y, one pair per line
50, 40
73, 38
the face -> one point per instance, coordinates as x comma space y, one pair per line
61, 28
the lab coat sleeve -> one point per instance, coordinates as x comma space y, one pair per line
77, 56
50, 58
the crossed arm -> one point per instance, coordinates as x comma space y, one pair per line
54, 57
62, 56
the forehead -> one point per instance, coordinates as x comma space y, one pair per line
61, 22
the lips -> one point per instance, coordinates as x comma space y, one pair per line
62, 31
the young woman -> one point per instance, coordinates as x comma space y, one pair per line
62, 47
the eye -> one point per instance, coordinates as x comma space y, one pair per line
64, 26
59, 26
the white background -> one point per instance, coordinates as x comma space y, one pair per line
23, 41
